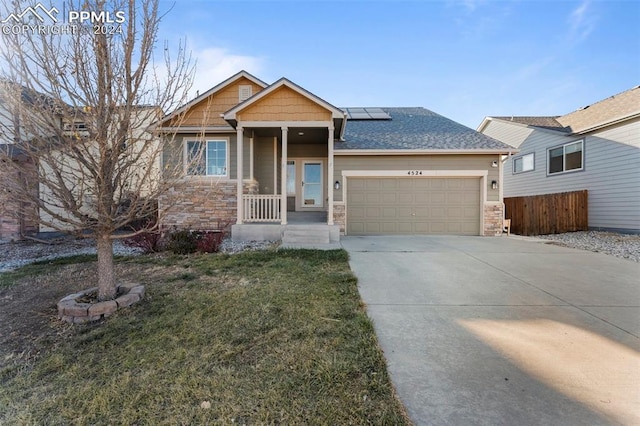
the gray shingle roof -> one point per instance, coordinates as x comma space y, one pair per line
415, 129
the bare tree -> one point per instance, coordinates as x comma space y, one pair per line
79, 105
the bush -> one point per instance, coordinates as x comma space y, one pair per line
209, 241
148, 241
182, 242
186, 241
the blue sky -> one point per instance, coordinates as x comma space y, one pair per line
463, 59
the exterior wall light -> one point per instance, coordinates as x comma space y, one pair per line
494, 184
494, 164
336, 185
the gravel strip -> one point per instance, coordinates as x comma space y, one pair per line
619, 245
15, 254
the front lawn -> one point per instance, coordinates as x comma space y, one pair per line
255, 338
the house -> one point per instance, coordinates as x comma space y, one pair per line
17, 218
596, 148
50, 162
311, 169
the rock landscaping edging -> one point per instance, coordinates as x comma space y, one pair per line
75, 312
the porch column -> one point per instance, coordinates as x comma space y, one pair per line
283, 177
239, 162
330, 176
251, 153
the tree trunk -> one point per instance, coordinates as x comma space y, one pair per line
106, 277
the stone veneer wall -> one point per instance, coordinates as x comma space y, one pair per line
493, 219
201, 204
340, 216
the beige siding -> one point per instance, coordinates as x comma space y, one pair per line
418, 162
284, 104
207, 112
308, 150
263, 164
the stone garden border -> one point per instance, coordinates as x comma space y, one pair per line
72, 311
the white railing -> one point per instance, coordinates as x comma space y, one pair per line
261, 208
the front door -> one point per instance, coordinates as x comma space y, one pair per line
312, 190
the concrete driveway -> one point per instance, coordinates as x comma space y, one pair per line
504, 331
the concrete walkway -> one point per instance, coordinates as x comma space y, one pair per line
504, 331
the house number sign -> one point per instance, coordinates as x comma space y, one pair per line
414, 173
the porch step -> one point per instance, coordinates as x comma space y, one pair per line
306, 235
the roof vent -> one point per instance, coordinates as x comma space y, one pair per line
583, 108
244, 92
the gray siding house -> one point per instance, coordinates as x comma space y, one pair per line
596, 148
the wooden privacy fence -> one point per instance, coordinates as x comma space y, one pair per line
548, 214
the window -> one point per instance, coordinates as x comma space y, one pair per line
523, 163
244, 92
566, 158
207, 158
291, 178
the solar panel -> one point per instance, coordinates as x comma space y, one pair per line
367, 114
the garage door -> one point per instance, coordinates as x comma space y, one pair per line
413, 206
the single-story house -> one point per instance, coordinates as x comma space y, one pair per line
596, 148
355, 171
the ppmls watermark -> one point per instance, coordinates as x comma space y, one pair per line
39, 19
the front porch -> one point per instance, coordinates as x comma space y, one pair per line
302, 228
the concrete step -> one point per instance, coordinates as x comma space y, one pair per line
306, 236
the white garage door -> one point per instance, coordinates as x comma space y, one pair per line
413, 206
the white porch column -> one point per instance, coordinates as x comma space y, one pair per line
239, 164
330, 176
283, 177
275, 165
251, 153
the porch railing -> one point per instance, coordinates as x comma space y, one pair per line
261, 208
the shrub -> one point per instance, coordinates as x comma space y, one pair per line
182, 242
209, 241
148, 241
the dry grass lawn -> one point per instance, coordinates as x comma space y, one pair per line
267, 337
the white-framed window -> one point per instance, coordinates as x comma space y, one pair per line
244, 92
523, 163
206, 157
565, 158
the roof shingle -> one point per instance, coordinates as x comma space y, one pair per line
414, 129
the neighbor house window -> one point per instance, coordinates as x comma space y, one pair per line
566, 158
207, 158
523, 163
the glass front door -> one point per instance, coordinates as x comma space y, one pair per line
312, 184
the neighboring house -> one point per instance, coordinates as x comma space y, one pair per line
17, 218
70, 165
64, 125
596, 148
362, 170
